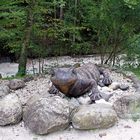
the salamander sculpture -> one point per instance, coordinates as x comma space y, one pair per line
74, 82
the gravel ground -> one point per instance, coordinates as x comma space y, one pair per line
9, 69
124, 130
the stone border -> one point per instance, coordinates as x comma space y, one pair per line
127, 74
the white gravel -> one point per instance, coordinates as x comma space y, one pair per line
9, 69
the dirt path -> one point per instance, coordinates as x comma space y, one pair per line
124, 130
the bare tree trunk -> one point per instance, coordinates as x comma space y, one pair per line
61, 10
54, 9
61, 13
42, 67
39, 65
33, 64
26, 40
109, 57
74, 22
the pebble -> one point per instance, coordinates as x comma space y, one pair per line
114, 86
102, 135
127, 126
124, 87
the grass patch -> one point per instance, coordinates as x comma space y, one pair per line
136, 71
12, 77
17, 77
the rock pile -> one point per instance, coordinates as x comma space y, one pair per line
42, 113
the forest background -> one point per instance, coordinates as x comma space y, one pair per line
43, 28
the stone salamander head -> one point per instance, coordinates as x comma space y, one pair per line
63, 79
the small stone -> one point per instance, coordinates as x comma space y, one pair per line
101, 84
114, 86
16, 84
127, 126
84, 100
102, 134
124, 87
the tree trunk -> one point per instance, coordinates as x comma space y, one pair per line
61, 10
26, 40
61, 13
55, 5
74, 22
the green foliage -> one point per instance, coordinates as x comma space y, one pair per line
72, 27
12, 20
136, 71
133, 52
132, 3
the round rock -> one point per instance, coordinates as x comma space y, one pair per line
47, 114
94, 116
10, 110
128, 107
16, 84
4, 90
124, 87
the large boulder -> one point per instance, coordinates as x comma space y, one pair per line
16, 84
94, 116
10, 110
128, 107
46, 114
4, 90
